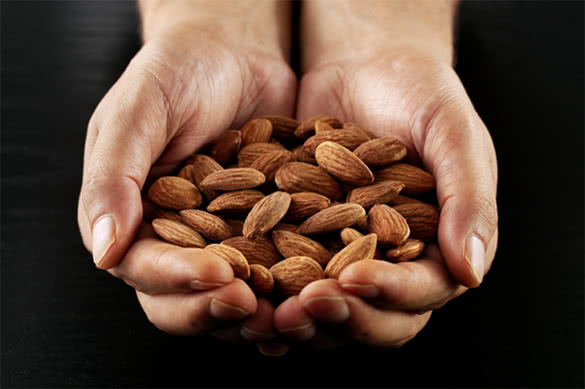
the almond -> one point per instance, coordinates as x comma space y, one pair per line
305, 204
239, 202
261, 280
348, 235
266, 213
177, 233
301, 177
321, 126
290, 244
307, 128
408, 250
416, 180
233, 179
401, 199
186, 172
381, 151
360, 249
389, 225
256, 131
236, 226
159, 213
422, 218
225, 148
381, 193
346, 138
269, 163
302, 156
283, 128
293, 274
260, 250
208, 225
331, 219
343, 164
174, 193
250, 153
285, 227
354, 127
234, 257
202, 166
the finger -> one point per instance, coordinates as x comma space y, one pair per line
354, 318
259, 326
200, 312
153, 267
291, 320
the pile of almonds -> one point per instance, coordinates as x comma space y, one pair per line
287, 203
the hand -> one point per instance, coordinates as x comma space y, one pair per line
187, 84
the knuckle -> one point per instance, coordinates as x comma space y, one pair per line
486, 208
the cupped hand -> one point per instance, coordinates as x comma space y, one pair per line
420, 100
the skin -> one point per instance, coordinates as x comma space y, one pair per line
208, 66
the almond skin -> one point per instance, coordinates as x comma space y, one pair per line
422, 218
225, 148
159, 213
261, 280
257, 251
348, 235
301, 177
239, 202
331, 219
266, 213
269, 163
415, 179
293, 274
307, 127
305, 204
381, 193
343, 164
346, 138
360, 249
178, 233
283, 128
401, 199
250, 153
256, 131
233, 179
208, 225
408, 250
321, 126
174, 193
285, 227
354, 127
302, 156
290, 244
236, 226
232, 256
202, 166
389, 225
381, 151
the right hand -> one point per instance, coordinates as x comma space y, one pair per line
183, 88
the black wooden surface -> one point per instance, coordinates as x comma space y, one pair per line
66, 324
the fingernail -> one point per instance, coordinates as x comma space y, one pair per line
255, 335
475, 256
200, 285
361, 290
328, 308
223, 311
273, 349
103, 237
302, 332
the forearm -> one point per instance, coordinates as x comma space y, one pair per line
335, 29
260, 24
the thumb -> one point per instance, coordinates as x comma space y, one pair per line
461, 154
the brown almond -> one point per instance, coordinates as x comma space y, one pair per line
186, 172
381, 193
301, 177
239, 202
285, 227
401, 199
269, 163
159, 213
208, 225
177, 233
381, 151
389, 225
225, 148
415, 179
348, 235
266, 213
233, 179
290, 244
343, 164
256, 131
261, 280
293, 274
236, 226
346, 138
302, 156
202, 166
250, 153
175, 193
354, 127
305, 204
234, 257
331, 219
321, 126
257, 251
307, 128
283, 128
422, 218
408, 250
360, 249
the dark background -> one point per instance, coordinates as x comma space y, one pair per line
66, 324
